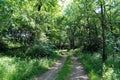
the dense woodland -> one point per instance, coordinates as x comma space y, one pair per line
35, 30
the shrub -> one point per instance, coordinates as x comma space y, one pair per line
39, 50
3, 46
92, 45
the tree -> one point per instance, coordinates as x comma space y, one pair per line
104, 55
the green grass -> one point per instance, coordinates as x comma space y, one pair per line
17, 64
66, 69
96, 69
112, 68
17, 68
92, 64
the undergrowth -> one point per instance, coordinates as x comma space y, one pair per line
15, 65
110, 70
92, 64
14, 68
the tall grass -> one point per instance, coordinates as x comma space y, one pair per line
16, 68
92, 64
16, 64
110, 70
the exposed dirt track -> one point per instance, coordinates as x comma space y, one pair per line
78, 72
51, 74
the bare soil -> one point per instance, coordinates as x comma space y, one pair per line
51, 74
78, 72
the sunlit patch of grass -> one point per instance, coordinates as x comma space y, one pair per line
16, 68
66, 69
94, 76
111, 69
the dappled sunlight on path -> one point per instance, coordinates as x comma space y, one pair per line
78, 72
51, 74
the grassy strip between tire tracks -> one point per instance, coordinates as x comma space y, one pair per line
66, 69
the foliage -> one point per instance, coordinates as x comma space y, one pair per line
111, 67
28, 28
92, 45
96, 69
39, 50
16, 68
92, 64
108, 74
3, 46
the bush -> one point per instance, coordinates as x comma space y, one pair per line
14, 53
92, 45
39, 50
3, 46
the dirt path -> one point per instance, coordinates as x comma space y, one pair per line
78, 72
51, 74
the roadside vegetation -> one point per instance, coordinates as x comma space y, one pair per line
14, 68
95, 68
16, 65
91, 63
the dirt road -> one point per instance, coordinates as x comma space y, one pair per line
78, 72
51, 74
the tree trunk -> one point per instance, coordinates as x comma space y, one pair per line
104, 55
71, 37
39, 5
72, 44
